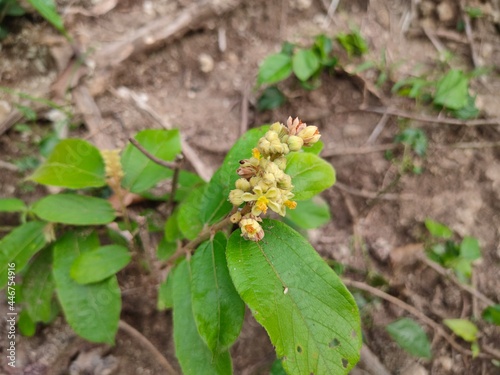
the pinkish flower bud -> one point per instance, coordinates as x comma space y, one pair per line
295, 126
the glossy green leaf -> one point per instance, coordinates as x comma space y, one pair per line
310, 316
437, 229
214, 204
92, 310
463, 328
411, 337
452, 90
38, 287
74, 209
305, 64
142, 173
491, 314
310, 214
48, 10
73, 164
188, 218
469, 248
12, 205
217, 307
19, 246
193, 354
165, 294
99, 264
310, 174
275, 68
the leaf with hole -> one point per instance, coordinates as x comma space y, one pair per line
411, 337
310, 316
74, 209
73, 164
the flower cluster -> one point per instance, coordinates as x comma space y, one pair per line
113, 168
263, 183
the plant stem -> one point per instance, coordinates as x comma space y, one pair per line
163, 163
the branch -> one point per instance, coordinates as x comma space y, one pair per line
163, 163
148, 345
412, 310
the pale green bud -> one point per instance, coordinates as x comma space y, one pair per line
271, 135
281, 163
295, 143
264, 146
276, 127
243, 184
285, 182
269, 178
235, 197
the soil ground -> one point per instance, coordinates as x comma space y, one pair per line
201, 81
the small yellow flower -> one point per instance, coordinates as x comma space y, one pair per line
291, 204
256, 153
251, 229
310, 135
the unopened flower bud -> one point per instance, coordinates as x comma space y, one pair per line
277, 127
310, 135
246, 172
235, 218
285, 182
295, 126
243, 184
264, 146
271, 135
269, 178
251, 229
281, 163
295, 143
235, 197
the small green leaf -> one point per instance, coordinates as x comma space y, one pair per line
310, 316
38, 287
26, 325
305, 64
491, 314
452, 90
142, 173
469, 111
74, 209
310, 174
463, 328
12, 205
353, 43
411, 337
188, 218
48, 10
214, 204
19, 246
275, 68
437, 229
323, 45
165, 294
310, 214
99, 264
73, 164
193, 354
469, 248
271, 98
415, 138
92, 310
217, 307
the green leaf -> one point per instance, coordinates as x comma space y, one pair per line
271, 98
38, 287
214, 204
165, 294
26, 325
92, 310
415, 138
217, 307
411, 337
99, 264
463, 268
277, 368
491, 314
310, 174
310, 316
73, 164
323, 45
305, 64
142, 173
437, 229
187, 182
47, 9
469, 248
12, 205
74, 209
19, 246
310, 214
452, 90
469, 111
166, 249
188, 218
463, 328
315, 148
275, 68
11, 8
353, 43
193, 354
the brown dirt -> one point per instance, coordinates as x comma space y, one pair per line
459, 187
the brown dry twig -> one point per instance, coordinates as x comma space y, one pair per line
163, 163
417, 313
148, 345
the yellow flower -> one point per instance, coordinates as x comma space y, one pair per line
251, 229
263, 200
